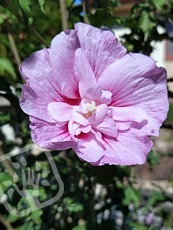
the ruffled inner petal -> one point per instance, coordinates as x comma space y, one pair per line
83, 73
89, 149
60, 111
99, 115
107, 127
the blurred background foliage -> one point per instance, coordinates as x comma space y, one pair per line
104, 197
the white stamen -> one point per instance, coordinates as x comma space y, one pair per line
90, 107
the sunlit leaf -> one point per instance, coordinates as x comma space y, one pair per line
12, 218
42, 5
75, 207
5, 179
45, 173
25, 5
7, 66
158, 3
26, 11
26, 226
145, 23
36, 216
155, 197
131, 196
153, 158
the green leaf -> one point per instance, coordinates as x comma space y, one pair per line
42, 194
170, 113
102, 17
4, 118
25, 8
155, 198
26, 226
5, 180
36, 216
42, 5
158, 3
145, 22
24, 4
131, 196
75, 207
12, 218
12, 6
153, 158
7, 66
68, 3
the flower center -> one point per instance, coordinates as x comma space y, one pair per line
91, 107
87, 108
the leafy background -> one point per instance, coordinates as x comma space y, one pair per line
107, 197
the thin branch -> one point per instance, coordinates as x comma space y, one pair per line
6, 164
38, 35
170, 94
91, 204
14, 9
6, 223
64, 16
85, 10
170, 80
14, 49
167, 126
19, 16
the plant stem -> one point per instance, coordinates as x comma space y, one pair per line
14, 49
170, 79
6, 163
6, 223
85, 5
64, 16
38, 35
19, 16
170, 94
91, 200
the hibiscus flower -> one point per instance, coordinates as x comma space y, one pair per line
87, 93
